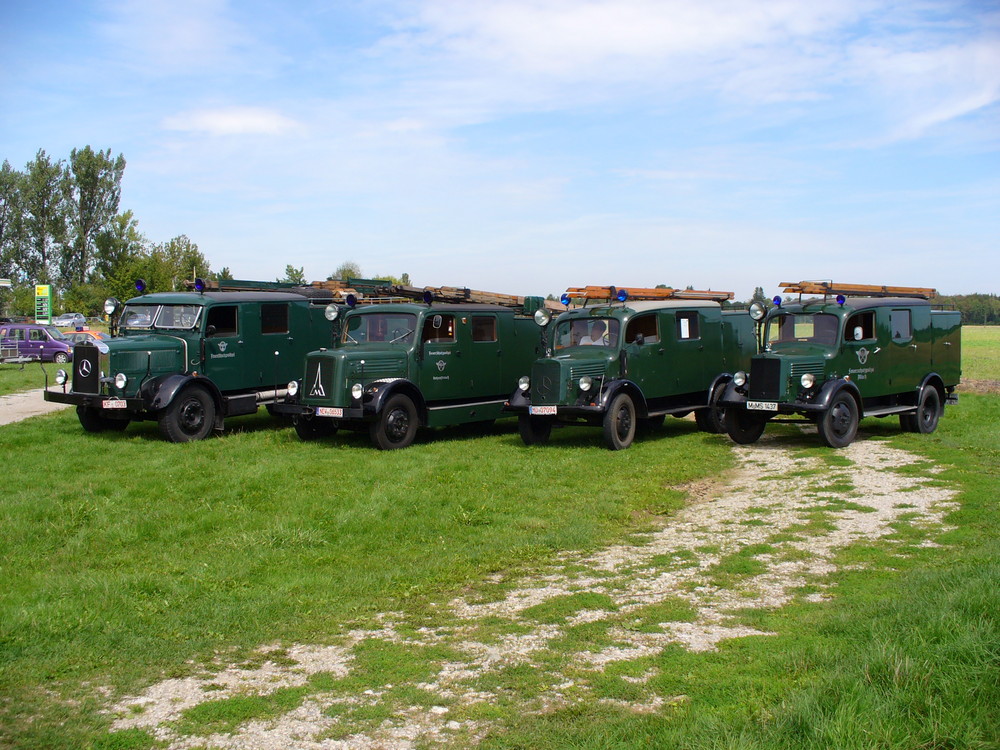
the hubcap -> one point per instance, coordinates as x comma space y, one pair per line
841, 421
396, 424
192, 415
624, 422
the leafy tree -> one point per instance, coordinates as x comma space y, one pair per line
92, 189
119, 244
295, 275
10, 219
346, 270
759, 296
182, 260
44, 216
225, 274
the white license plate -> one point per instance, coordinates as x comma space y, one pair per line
113, 403
541, 410
763, 405
329, 411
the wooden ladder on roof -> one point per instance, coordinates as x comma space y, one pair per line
611, 293
856, 290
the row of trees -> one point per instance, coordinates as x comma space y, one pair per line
60, 224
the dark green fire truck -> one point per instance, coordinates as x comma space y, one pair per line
402, 365
191, 359
851, 352
628, 358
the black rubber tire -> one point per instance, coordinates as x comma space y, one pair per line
60, 357
743, 426
929, 410
396, 425
838, 425
90, 419
620, 422
190, 416
312, 428
712, 419
534, 430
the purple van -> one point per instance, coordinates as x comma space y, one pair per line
36, 342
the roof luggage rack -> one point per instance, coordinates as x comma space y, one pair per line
457, 294
620, 294
826, 288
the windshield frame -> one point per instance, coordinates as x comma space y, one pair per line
197, 309
789, 322
400, 328
574, 331
155, 311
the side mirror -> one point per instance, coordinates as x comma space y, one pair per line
640, 339
858, 333
210, 331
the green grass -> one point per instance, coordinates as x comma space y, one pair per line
980, 352
14, 378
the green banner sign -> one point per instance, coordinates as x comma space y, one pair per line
43, 303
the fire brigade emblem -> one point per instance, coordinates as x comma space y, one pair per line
223, 345
441, 365
863, 355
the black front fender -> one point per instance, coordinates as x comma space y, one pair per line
158, 393
377, 394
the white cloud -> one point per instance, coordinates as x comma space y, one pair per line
232, 121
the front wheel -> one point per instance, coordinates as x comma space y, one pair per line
619, 422
712, 419
743, 426
60, 357
190, 416
309, 427
534, 430
838, 425
396, 425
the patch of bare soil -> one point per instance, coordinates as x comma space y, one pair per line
979, 386
792, 513
17, 406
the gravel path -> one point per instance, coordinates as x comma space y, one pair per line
18, 406
790, 514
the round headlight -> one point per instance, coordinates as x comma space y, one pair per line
293, 387
808, 380
331, 312
542, 317
357, 390
586, 383
111, 306
61, 377
757, 311
121, 380
740, 378
523, 382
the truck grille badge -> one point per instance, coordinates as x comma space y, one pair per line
317, 389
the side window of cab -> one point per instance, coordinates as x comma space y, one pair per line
901, 325
687, 326
439, 329
642, 330
222, 321
860, 326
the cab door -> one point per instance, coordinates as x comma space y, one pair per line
484, 354
865, 360
647, 360
281, 357
225, 357
441, 373
909, 352
695, 352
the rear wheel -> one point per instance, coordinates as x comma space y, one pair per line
534, 430
619, 422
743, 426
838, 425
928, 413
309, 427
396, 425
713, 418
190, 416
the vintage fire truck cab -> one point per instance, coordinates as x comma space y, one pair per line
630, 359
403, 365
190, 359
855, 351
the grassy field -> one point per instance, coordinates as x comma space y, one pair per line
126, 559
980, 352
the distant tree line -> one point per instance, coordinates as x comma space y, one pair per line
976, 309
60, 224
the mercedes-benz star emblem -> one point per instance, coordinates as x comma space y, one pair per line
85, 367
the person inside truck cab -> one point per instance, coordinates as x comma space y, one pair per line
598, 335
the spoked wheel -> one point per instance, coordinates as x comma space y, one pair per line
396, 426
743, 426
190, 416
619, 422
534, 430
838, 425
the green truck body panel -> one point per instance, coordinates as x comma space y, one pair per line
668, 355
456, 363
884, 351
241, 348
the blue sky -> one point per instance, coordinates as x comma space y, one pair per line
525, 146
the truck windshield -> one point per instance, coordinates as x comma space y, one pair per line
387, 327
138, 316
587, 332
812, 328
